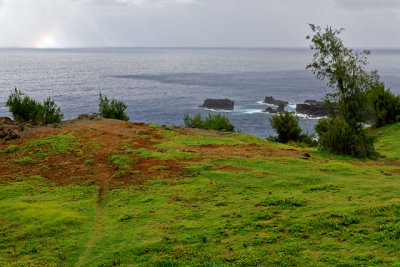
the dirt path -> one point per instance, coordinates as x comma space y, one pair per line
96, 233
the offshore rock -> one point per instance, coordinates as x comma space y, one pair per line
224, 104
312, 108
273, 101
280, 109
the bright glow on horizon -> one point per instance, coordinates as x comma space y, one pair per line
47, 40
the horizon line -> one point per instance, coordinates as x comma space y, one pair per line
186, 47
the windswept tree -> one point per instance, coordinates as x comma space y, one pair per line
345, 71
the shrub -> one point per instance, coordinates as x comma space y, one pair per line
24, 108
385, 105
51, 113
195, 122
112, 110
218, 122
215, 122
287, 127
336, 136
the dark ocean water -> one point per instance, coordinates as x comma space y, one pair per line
160, 85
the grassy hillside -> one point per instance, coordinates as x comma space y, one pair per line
104, 193
389, 141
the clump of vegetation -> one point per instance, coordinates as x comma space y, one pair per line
336, 136
113, 109
121, 160
24, 108
385, 105
345, 71
215, 122
123, 164
59, 144
287, 127
282, 202
11, 149
26, 160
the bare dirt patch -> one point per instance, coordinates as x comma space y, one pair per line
89, 160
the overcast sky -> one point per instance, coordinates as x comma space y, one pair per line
199, 23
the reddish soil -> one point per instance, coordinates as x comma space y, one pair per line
98, 140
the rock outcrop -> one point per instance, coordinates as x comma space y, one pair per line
224, 104
280, 109
273, 101
9, 129
88, 117
312, 108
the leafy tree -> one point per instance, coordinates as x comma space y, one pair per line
113, 109
345, 71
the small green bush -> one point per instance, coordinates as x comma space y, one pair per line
385, 105
218, 122
112, 110
24, 108
51, 113
195, 122
215, 122
336, 136
287, 127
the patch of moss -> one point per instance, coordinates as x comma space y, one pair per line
58, 144
25, 160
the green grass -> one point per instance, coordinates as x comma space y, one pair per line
44, 224
388, 143
58, 144
11, 149
26, 160
228, 210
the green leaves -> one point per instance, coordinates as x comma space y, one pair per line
112, 110
25, 108
346, 73
216, 122
287, 126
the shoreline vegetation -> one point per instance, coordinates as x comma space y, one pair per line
102, 191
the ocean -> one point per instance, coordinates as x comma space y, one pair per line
160, 85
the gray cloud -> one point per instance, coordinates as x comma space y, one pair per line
75, 23
143, 3
368, 4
